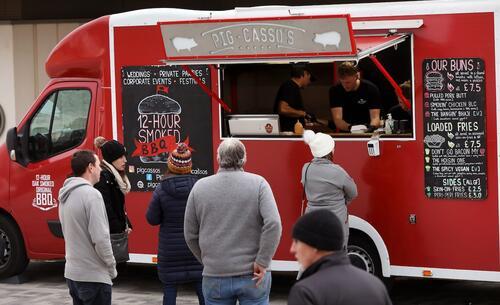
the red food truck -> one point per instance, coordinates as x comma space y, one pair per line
428, 201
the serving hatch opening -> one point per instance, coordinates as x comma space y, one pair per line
251, 88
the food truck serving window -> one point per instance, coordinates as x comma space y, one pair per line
250, 90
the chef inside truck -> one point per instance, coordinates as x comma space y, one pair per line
288, 103
251, 89
354, 102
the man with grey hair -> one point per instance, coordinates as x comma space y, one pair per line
233, 228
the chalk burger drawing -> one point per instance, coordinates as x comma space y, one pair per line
158, 104
434, 81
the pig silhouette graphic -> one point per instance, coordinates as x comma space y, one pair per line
183, 43
327, 39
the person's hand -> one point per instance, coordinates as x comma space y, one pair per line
310, 117
128, 230
113, 273
258, 274
371, 128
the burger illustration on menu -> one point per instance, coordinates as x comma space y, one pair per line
434, 81
158, 107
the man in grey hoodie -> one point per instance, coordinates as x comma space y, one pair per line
90, 264
233, 228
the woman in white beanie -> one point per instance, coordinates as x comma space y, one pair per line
326, 184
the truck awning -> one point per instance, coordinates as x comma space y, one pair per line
364, 46
369, 45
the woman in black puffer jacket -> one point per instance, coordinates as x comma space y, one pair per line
114, 184
176, 263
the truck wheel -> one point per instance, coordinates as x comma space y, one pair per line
13, 258
363, 254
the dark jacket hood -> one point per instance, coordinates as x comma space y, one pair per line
178, 186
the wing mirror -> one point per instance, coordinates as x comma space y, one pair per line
15, 147
12, 142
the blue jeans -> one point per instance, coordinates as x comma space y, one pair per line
170, 293
89, 293
226, 290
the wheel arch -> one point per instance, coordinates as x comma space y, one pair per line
358, 225
6, 214
16, 258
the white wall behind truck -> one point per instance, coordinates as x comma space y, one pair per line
23, 51
7, 77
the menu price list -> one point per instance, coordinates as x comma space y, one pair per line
454, 128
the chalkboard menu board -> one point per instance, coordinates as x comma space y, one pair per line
454, 128
162, 106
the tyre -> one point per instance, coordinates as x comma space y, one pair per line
13, 258
363, 254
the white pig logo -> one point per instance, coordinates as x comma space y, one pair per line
183, 43
328, 38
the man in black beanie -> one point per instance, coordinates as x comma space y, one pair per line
329, 278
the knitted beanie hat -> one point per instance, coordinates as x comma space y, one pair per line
320, 144
320, 229
179, 160
111, 150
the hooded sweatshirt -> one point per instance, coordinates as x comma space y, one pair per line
89, 256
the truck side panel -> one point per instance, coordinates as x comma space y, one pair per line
454, 234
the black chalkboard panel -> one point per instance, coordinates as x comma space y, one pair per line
454, 128
162, 106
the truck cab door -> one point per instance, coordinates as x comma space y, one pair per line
60, 123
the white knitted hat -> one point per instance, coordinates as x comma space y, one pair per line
321, 144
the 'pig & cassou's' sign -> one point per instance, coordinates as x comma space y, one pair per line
283, 37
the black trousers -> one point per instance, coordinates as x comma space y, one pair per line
89, 293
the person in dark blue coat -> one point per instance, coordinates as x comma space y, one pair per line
176, 263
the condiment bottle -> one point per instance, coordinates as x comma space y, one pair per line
298, 128
389, 123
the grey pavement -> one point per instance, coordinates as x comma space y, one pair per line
138, 284
444, 292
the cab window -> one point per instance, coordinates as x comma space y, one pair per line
59, 124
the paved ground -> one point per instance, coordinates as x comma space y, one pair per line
444, 292
139, 285
136, 285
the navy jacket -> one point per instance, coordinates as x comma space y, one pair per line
176, 263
